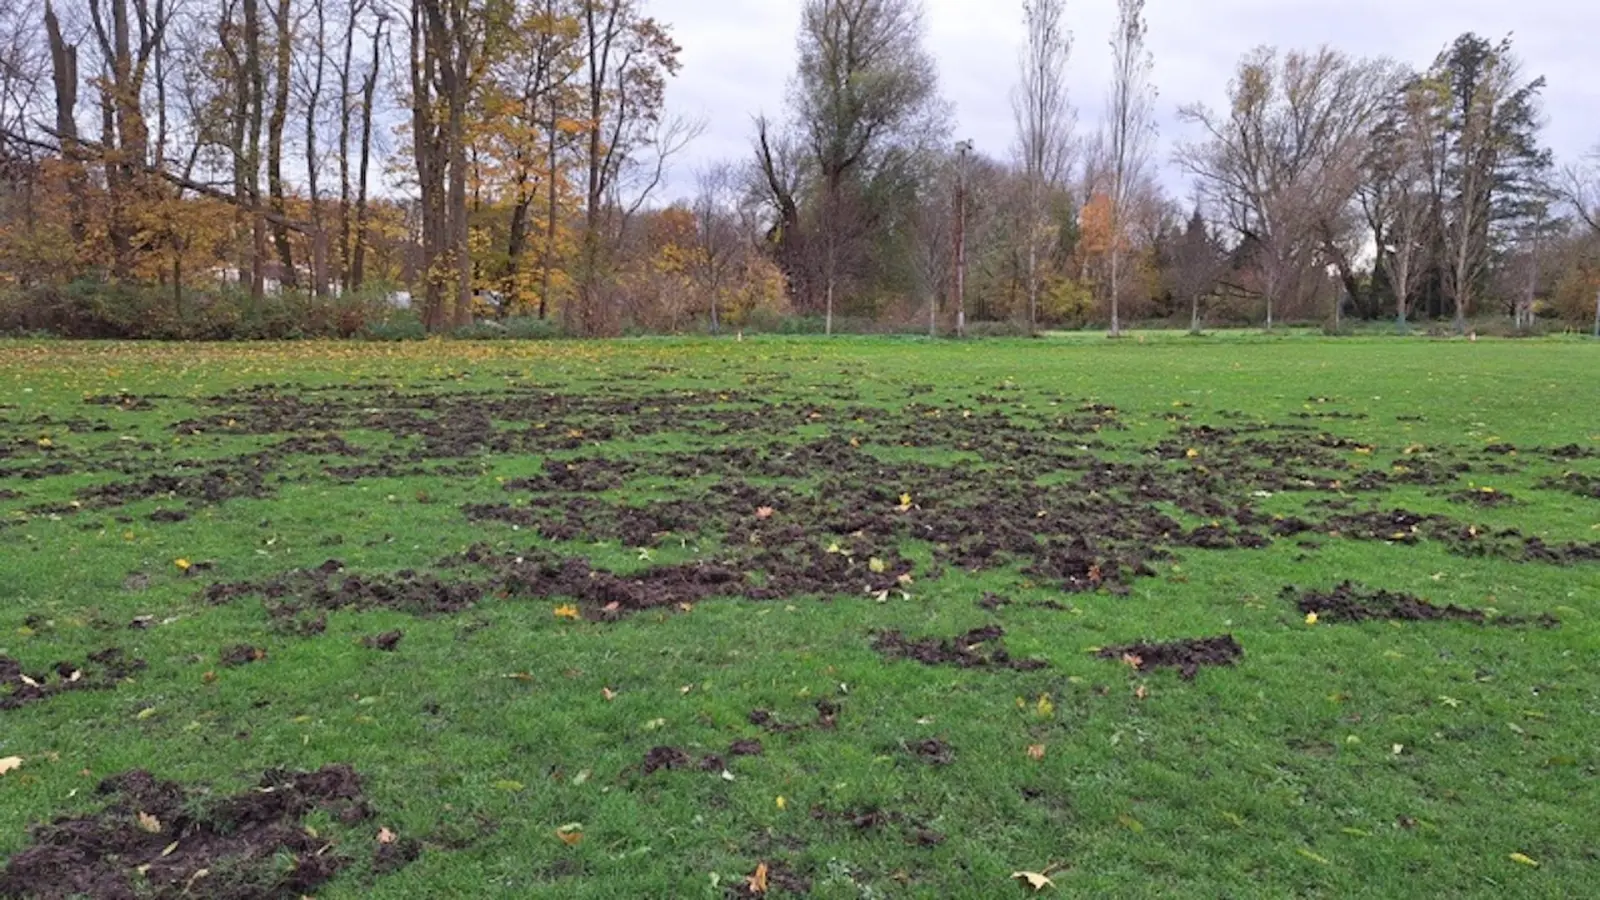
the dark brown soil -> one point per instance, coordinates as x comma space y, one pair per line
242, 655
934, 752
105, 670
388, 641
665, 758
1187, 656
781, 881
327, 587
978, 648
1575, 483
746, 747
1349, 602
155, 839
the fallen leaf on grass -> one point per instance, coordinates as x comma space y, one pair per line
1311, 618
509, 786
1036, 751
10, 763
1130, 823
782, 803
570, 834
183, 564
385, 836
149, 823
609, 694
1524, 859
876, 564
567, 612
1141, 692
765, 512
758, 879
1036, 880
1314, 857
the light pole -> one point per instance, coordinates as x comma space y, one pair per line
962, 149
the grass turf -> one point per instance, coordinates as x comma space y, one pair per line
1336, 760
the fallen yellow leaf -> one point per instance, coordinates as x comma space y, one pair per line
10, 763
567, 611
758, 880
1036, 751
570, 834
149, 823
1311, 618
1036, 880
183, 564
1524, 859
385, 836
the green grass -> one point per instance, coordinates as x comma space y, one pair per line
1336, 760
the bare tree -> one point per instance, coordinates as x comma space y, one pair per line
1045, 120
719, 237
1284, 161
1397, 191
627, 59
1579, 187
1130, 125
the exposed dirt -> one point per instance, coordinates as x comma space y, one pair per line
1187, 656
327, 587
388, 641
1349, 602
665, 758
1575, 483
105, 670
934, 752
978, 648
242, 655
156, 839
779, 880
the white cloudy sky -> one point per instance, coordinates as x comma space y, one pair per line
738, 56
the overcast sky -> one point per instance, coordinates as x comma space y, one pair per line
738, 56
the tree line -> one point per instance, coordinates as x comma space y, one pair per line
500, 158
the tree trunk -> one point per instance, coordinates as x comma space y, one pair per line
550, 212
346, 63
255, 87
319, 254
358, 266
1116, 276
64, 65
430, 182
275, 124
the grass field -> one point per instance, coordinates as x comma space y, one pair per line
847, 619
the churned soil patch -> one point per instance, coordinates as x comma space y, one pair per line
1349, 602
976, 649
1187, 656
105, 670
158, 839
